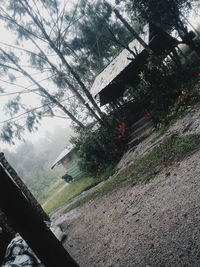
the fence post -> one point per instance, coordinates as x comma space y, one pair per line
30, 226
34, 203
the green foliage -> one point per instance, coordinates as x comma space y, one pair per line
189, 95
148, 166
169, 87
10, 131
49, 191
109, 171
165, 14
93, 157
13, 106
45, 37
67, 193
92, 40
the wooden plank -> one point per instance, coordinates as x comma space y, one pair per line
30, 197
30, 226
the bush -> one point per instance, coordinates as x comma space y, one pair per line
189, 95
94, 158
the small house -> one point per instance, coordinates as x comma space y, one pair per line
69, 159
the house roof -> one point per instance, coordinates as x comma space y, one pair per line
118, 64
63, 154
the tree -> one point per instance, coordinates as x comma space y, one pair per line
45, 36
168, 15
93, 41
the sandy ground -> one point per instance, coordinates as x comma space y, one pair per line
154, 224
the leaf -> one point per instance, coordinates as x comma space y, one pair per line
11, 77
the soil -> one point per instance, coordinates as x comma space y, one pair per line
154, 224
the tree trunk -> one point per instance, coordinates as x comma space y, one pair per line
55, 101
132, 31
52, 44
186, 36
78, 79
71, 87
194, 46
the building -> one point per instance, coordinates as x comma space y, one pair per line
69, 159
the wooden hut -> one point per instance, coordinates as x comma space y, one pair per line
69, 159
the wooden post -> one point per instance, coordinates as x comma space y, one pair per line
30, 226
30, 197
5, 225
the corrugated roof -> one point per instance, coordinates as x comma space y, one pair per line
118, 64
64, 153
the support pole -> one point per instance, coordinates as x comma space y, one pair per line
30, 226
30, 197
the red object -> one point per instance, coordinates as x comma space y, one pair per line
148, 114
122, 128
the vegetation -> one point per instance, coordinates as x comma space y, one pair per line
68, 192
169, 15
54, 200
50, 190
163, 101
146, 168
189, 95
93, 159
66, 36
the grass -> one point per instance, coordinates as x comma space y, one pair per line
60, 198
147, 167
51, 190
166, 123
109, 171
67, 193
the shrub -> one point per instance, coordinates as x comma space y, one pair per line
94, 158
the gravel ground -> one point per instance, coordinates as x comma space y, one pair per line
154, 224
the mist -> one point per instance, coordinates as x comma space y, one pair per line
33, 160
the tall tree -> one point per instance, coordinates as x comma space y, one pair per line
92, 38
43, 27
168, 15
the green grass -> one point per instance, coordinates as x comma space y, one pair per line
51, 190
109, 171
147, 167
67, 193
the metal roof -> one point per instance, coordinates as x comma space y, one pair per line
118, 64
64, 153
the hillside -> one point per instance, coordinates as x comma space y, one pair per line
155, 223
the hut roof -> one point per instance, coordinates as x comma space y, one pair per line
63, 154
118, 64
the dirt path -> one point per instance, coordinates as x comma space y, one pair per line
157, 224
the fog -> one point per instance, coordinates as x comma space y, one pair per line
33, 159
